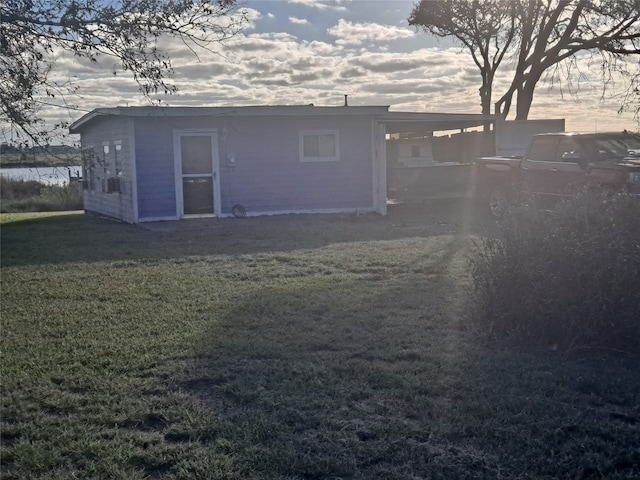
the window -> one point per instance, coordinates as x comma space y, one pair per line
568, 151
101, 169
415, 151
319, 146
105, 157
88, 167
543, 149
117, 159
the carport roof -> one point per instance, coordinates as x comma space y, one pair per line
415, 122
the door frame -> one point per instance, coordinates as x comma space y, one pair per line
379, 151
215, 164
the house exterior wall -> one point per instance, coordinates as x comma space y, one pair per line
268, 176
109, 131
260, 165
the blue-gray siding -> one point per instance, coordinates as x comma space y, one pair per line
118, 205
267, 175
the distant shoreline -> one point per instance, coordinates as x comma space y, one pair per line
38, 165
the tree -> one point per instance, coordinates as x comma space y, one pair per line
130, 31
631, 99
548, 34
487, 29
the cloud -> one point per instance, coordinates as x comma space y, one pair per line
421, 87
251, 14
431, 62
306, 63
352, 73
321, 48
253, 45
306, 77
70, 67
320, 5
349, 33
205, 70
298, 21
387, 64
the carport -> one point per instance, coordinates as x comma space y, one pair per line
431, 166
420, 123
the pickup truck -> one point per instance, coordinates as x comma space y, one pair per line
557, 164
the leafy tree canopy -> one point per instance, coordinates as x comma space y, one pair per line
129, 31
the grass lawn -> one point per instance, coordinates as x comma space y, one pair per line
293, 347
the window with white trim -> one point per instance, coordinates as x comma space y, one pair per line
117, 158
106, 166
319, 146
106, 158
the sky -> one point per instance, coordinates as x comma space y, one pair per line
317, 51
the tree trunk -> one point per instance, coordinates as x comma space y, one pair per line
525, 95
523, 105
485, 97
486, 91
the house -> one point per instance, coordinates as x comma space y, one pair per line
146, 164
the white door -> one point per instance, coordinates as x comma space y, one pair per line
197, 182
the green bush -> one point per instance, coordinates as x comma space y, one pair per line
32, 196
568, 277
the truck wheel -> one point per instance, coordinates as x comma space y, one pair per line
498, 201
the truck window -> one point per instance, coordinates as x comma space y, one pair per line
543, 149
568, 146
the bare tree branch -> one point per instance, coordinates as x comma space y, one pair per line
127, 30
539, 35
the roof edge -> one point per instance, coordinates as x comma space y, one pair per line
259, 110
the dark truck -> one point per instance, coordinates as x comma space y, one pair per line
557, 164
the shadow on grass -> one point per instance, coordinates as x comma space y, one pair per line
340, 378
34, 239
337, 376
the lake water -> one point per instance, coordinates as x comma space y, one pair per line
48, 175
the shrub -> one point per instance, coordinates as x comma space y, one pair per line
32, 196
17, 189
64, 197
567, 277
